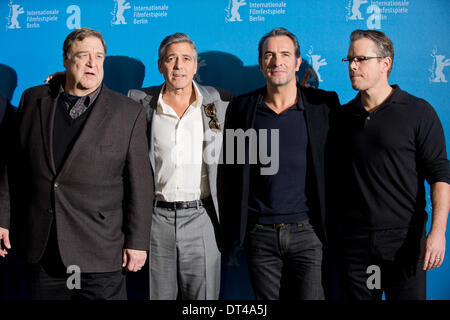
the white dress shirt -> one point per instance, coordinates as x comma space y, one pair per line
180, 172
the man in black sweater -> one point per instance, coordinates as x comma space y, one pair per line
278, 199
389, 143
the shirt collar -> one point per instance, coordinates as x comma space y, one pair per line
164, 108
396, 97
88, 99
299, 104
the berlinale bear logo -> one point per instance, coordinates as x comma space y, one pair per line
119, 8
233, 10
437, 69
14, 11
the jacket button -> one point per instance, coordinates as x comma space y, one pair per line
56, 184
50, 211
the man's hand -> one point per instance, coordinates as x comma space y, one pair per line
56, 74
4, 242
134, 260
434, 247
433, 250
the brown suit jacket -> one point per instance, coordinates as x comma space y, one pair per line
100, 200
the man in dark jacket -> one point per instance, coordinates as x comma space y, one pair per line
81, 180
278, 198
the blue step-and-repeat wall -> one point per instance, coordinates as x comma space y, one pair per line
227, 33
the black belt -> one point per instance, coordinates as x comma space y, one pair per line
182, 204
280, 225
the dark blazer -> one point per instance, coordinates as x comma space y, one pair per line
100, 200
6, 122
318, 104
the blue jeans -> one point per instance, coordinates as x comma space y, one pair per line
285, 261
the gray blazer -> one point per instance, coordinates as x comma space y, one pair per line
212, 147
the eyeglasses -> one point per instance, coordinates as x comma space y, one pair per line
214, 124
359, 59
210, 110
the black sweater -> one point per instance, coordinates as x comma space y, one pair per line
384, 158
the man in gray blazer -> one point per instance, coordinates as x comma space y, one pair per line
185, 126
80, 180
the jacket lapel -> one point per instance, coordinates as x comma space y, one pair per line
47, 107
250, 113
150, 102
312, 117
212, 142
98, 114
315, 127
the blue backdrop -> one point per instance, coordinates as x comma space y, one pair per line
227, 33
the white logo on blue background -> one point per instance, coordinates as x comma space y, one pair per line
374, 20
74, 20
233, 10
437, 69
316, 62
376, 11
356, 13
119, 8
14, 11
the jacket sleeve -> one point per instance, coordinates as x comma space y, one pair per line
230, 221
138, 183
6, 146
4, 188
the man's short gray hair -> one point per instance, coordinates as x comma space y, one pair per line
384, 45
175, 38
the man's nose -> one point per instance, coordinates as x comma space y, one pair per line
274, 61
177, 63
91, 60
352, 64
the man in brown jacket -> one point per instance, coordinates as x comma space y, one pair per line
81, 173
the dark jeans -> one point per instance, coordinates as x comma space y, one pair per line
285, 261
396, 253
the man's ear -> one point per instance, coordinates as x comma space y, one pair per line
196, 65
160, 66
298, 63
65, 62
387, 63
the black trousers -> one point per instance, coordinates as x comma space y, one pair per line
93, 286
49, 280
285, 261
395, 254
